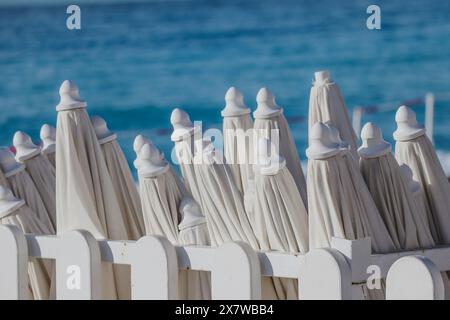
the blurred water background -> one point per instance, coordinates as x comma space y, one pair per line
135, 62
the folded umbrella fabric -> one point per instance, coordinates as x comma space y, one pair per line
390, 192
184, 135
122, 180
238, 141
281, 222
23, 187
48, 138
85, 196
40, 170
271, 124
327, 104
415, 149
162, 199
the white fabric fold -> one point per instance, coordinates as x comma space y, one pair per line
281, 221
125, 188
395, 202
42, 173
24, 188
85, 197
277, 125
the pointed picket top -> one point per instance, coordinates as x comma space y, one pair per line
69, 97
321, 145
267, 107
102, 131
151, 161
234, 104
25, 148
8, 203
373, 145
48, 138
191, 214
407, 126
8, 163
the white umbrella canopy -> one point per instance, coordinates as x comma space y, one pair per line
271, 124
15, 212
193, 230
184, 135
327, 104
390, 192
415, 149
48, 138
223, 206
162, 202
160, 194
281, 219
222, 202
238, 139
123, 183
85, 196
40, 170
340, 204
23, 186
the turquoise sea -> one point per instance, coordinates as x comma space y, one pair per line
135, 62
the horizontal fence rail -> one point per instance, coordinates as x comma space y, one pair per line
236, 269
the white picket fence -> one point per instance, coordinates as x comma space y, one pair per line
236, 269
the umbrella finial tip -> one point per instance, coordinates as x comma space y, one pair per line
179, 116
234, 103
139, 142
47, 132
321, 76
371, 131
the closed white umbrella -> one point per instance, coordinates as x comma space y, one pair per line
23, 186
238, 141
184, 134
138, 143
40, 170
281, 220
415, 149
390, 192
160, 194
193, 230
222, 202
327, 104
123, 183
48, 138
15, 212
223, 205
271, 124
161, 200
85, 196
340, 204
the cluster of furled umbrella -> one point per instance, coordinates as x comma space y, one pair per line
255, 191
